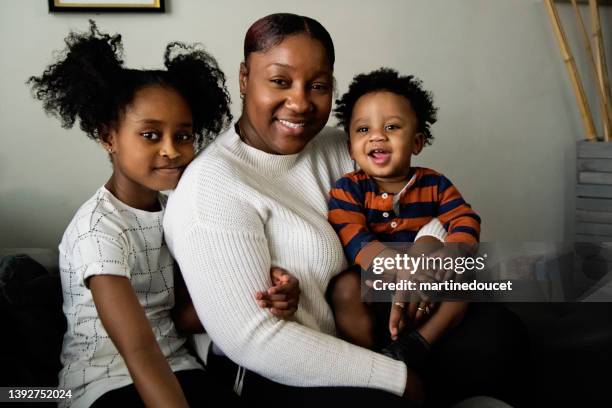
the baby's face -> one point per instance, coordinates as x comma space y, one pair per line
383, 135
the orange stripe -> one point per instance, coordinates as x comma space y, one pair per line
343, 195
450, 194
367, 254
349, 232
459, 215
374, 202
412, 224
424, 171
420, 194
346, 217
357, 176
403, 224
461, 237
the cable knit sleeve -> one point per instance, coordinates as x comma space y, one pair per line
433, 228
223, 269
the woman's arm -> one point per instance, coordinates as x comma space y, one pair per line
281, 299
128, 327
225, 267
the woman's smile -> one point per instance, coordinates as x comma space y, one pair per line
287, 95
292, 125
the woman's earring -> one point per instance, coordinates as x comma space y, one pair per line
242, 94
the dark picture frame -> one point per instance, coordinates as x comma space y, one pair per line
97, 6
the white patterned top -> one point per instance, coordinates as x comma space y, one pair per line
107, 237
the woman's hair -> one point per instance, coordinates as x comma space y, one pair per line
271, 30
89, 82
386, 79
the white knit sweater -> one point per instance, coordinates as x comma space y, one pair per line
238, 211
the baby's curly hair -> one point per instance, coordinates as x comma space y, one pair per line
387, 79
88, 82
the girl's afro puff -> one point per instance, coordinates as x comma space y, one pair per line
88, 82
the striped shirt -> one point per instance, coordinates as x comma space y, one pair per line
361, 214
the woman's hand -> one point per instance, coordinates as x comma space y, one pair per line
283, 297
415, 312
420, 311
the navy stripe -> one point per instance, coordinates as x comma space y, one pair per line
468, 230
427, 180
350, 187
474, 216
400, 236
444, 184
337, 204
451, 205
373, 215
338, 227
367, 186
415, 210
356, 243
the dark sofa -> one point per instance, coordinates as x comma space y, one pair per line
571, 342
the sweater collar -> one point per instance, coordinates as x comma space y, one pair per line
272, 164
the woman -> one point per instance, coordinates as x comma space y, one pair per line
256, 198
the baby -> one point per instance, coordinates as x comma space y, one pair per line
387, 118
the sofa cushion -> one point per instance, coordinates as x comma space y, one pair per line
32, 320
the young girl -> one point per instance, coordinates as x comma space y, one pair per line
121, 345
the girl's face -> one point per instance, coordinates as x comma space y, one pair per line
287, 95
383, 135
153, 142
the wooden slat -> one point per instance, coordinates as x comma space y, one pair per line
593, 190
594, 229
601, 165
592, 238
594, 204
591, 177
594, 150
601, 217
602, 2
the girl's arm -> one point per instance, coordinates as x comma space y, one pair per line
184, 314
128, 327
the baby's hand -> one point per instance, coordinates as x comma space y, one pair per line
283, 297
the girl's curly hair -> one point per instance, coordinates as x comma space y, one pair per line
88, 82
386, 79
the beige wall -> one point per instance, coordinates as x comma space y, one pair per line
507, 122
